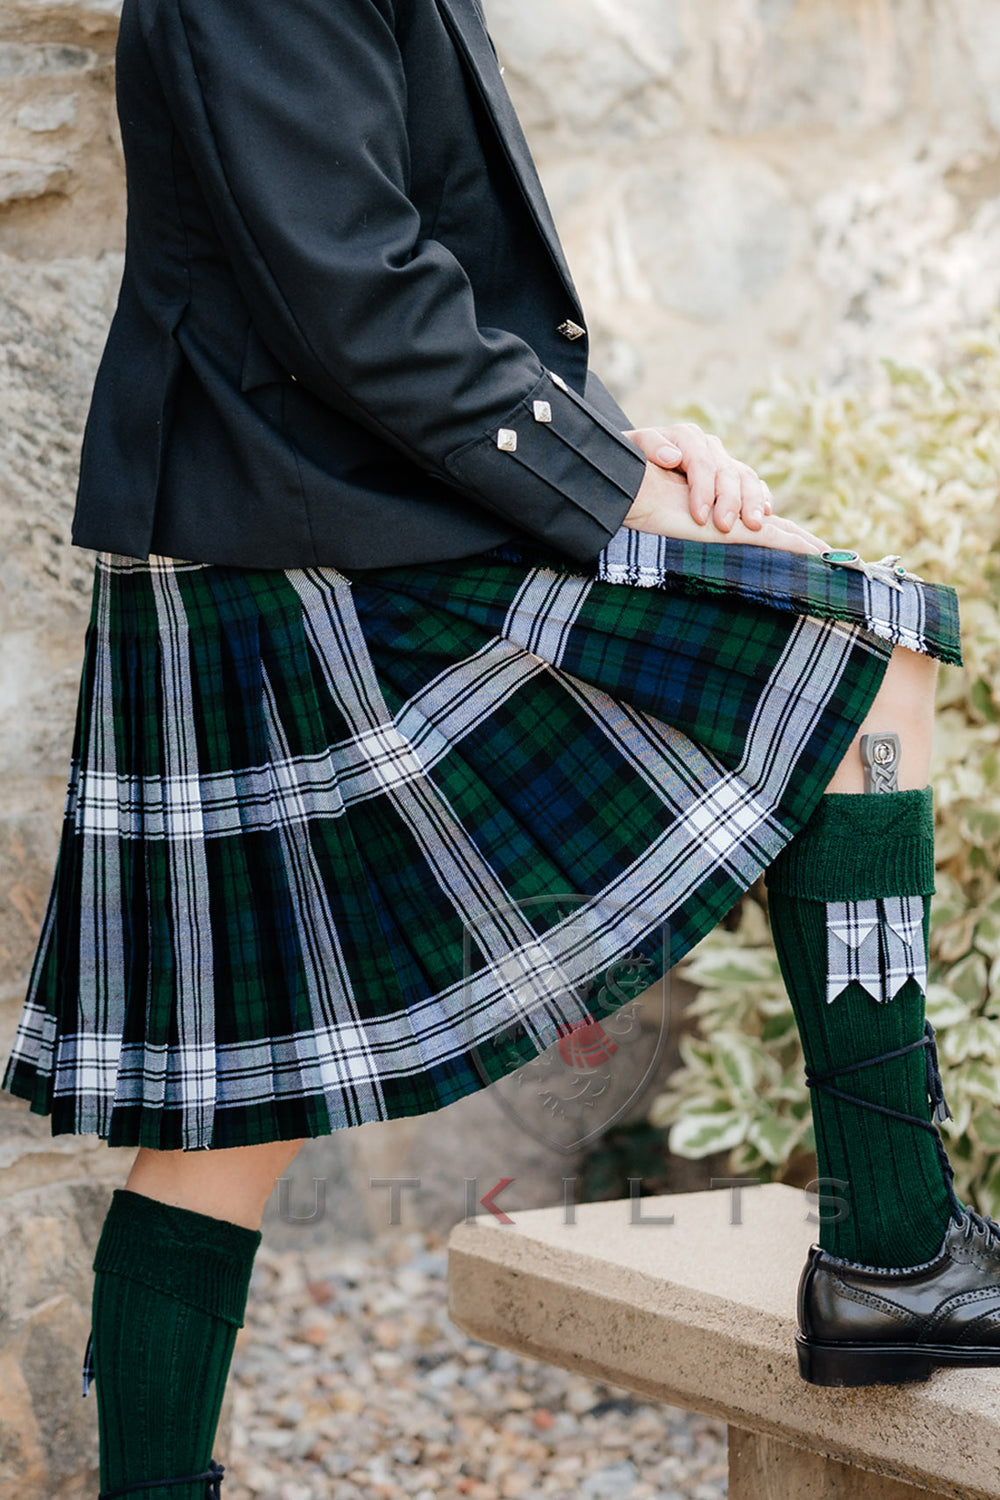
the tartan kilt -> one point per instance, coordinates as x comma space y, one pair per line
318, 827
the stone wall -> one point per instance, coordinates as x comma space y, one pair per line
743, 186
764, 184
60, 241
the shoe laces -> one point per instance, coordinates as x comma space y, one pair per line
984, 1225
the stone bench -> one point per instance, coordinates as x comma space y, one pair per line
700, 1314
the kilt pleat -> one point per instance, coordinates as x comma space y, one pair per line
338, 849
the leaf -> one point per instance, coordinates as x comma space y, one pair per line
697, 1135
967, 980
955, 940
979, 1080
777, 1028
774, 1138
944, 1008
988, 1194
985, 1126
735, 1056
981, 698
746, 967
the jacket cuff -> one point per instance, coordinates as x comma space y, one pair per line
555, 467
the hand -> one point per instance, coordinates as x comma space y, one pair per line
663, 507
722, 489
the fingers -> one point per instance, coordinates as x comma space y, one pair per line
783, 524
753, 498
728, 500
776, 531
701, 462
656, 447
701, 478
722, 489
662, 506
798, 541
728, 496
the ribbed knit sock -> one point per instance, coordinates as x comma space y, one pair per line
849, 907
169, 1294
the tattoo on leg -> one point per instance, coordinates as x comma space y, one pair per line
880, 758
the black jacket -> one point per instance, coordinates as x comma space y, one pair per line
344, 333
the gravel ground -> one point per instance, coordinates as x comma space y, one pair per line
349, 1382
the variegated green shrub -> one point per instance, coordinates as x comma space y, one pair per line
908, 466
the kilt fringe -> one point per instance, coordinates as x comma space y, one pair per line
923, 619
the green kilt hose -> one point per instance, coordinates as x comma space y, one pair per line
318, 826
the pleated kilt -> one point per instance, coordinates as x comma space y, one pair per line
338, 849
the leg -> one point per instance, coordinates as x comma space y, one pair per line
904, 704
849, 906
173, 1268
881, 1298
231, 1184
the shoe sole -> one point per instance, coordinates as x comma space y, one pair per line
881, 1364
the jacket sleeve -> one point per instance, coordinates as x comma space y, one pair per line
294, 119
600, 397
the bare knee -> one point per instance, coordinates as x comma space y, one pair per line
904, 705
234, 1183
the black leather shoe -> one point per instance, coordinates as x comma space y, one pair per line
861, 1325
877, 1325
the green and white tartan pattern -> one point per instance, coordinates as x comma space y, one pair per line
878, 944
317, 827
868, 593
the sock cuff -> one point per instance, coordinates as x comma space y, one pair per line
858, 846
190, 1256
